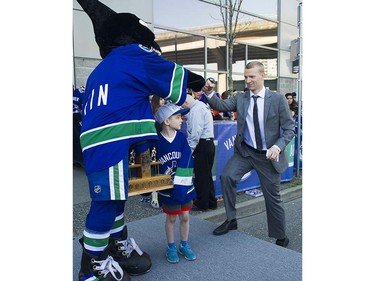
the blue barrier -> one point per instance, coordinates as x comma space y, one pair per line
296, 148
224, 136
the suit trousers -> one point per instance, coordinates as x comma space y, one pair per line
237, 166
204, 156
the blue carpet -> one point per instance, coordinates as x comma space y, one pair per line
234, 256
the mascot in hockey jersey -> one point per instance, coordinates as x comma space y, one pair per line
117, 116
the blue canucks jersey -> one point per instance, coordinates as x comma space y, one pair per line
116, 108
176, 160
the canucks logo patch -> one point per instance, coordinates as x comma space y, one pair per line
97, 189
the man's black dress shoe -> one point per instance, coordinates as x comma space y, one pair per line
225, 227
283, 242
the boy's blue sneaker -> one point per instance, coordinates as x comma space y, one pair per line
172, 255
187, 252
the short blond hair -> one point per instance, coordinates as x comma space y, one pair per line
256, 64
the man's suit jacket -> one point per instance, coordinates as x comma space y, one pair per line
278, 124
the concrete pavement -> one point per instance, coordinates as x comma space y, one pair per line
238, 255
251, 217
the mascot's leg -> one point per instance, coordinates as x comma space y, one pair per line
97, 263
101, 267
125, 251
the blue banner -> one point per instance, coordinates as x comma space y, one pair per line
296, 148
224, 136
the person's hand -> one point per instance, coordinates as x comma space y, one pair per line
273, 154
208, 87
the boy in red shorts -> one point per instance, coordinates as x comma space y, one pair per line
174, 153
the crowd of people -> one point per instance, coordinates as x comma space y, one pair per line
118, 116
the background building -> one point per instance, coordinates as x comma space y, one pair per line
192, 33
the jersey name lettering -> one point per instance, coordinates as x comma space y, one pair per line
101, 98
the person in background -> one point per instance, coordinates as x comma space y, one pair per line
292, 105
226, 95
156, 102
294, 94
199, 96
264, 129
200, 131
174, 153
77, 123
190, 92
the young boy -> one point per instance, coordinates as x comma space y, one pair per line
174, 153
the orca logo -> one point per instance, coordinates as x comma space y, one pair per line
97, 189
144, 48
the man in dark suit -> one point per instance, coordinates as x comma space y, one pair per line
262, 136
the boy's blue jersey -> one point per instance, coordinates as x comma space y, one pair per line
176, 160
116, 108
